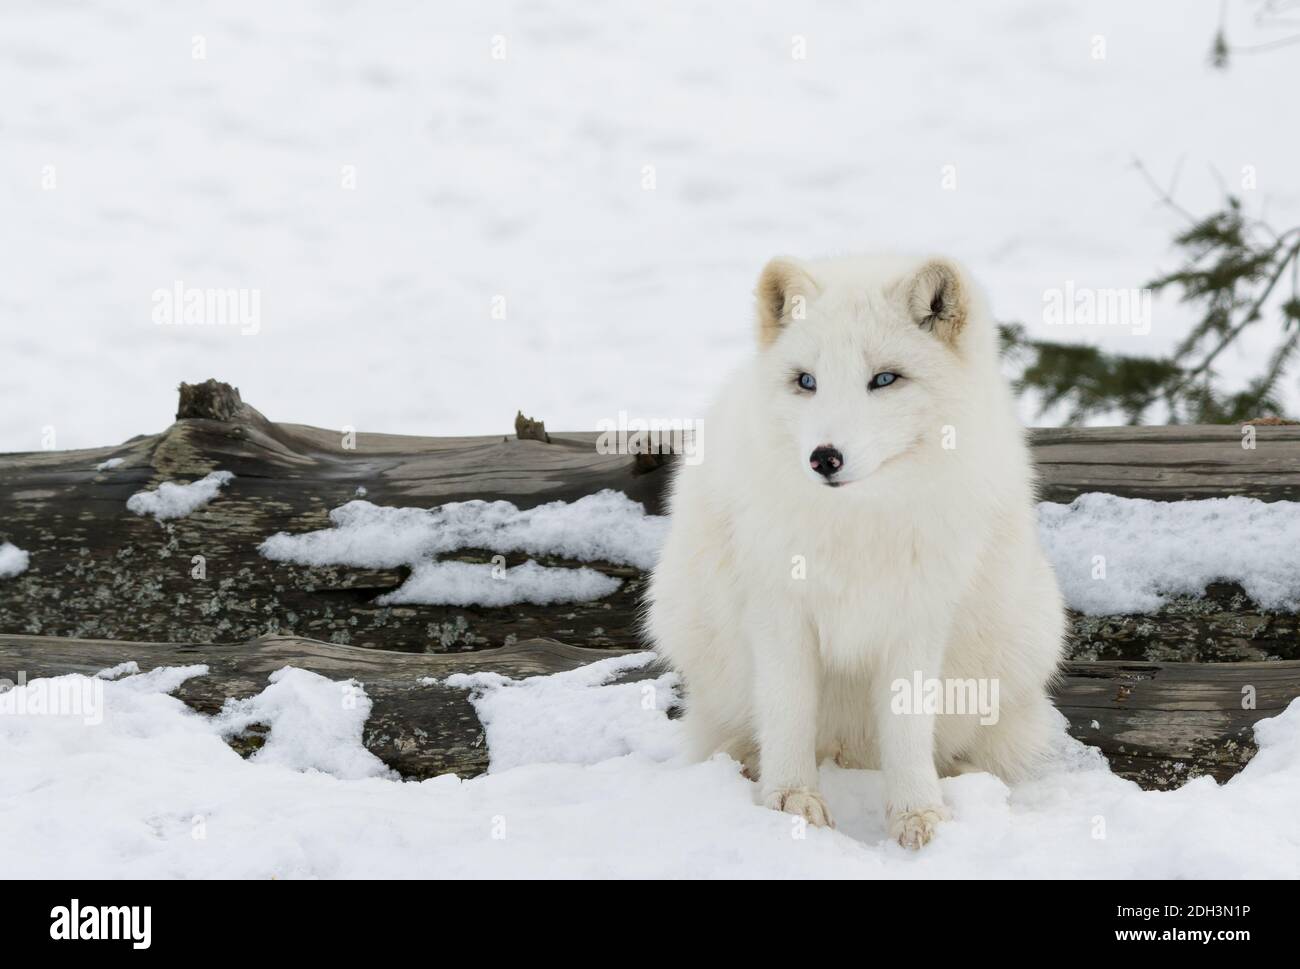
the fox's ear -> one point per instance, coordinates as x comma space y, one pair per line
784, 290
936, 298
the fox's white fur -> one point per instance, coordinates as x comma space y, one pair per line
791, 608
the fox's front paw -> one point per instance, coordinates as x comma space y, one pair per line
914, 828
802, 802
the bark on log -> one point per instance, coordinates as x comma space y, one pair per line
1157, 723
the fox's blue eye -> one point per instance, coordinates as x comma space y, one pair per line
807, 381
882, 380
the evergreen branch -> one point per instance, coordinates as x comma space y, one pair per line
1251, 316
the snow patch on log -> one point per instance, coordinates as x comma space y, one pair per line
473, 584
13, 560
563, 719
172, 500
316, 724
604, 527
1129, 555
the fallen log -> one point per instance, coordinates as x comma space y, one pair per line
105, 585
98, 571
420, 730
1157, 723
1169, 463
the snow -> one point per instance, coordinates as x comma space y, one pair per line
586, 781
129, 668
110, 464
561, 719
1111, 555
315, 724
606, 526
13, 560
1128, 555
172, 500
522, 178
473, 584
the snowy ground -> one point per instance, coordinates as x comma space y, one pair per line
126, 165
144, 787
112, 777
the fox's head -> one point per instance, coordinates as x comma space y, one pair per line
866, 361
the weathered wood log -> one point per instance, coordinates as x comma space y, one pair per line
419, 730
1169, 463
1157, 723
1161, 724
98, 571
1222, 626
528, 429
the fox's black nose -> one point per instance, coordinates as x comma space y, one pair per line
825, 460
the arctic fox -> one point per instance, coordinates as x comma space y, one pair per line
862, 522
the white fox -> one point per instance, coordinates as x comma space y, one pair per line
864, 517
